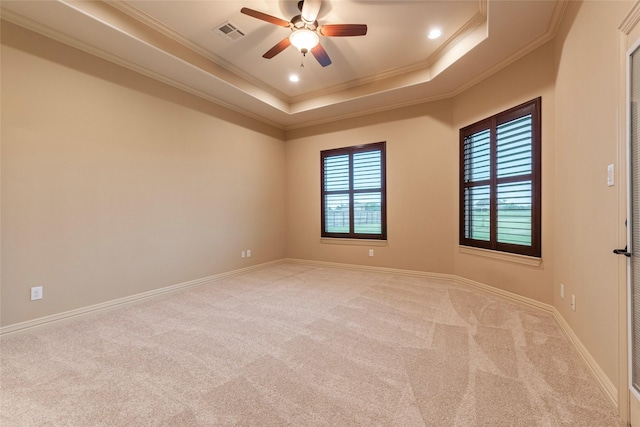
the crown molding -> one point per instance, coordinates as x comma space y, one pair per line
167, 31
631, 20
277, 109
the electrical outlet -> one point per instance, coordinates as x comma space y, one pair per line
36, 293
248, 253
243, 254
561, 290
370, 252
573, 302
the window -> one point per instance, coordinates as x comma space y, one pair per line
353, 191
500, 181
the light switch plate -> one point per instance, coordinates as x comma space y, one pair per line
610, 179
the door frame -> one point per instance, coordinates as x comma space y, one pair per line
628, 41
632, 395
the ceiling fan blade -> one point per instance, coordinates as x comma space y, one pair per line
321, 55
284, 43
310, 10
343, 30
263, 16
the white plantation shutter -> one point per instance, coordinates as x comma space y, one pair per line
500, 181
514, 147
353, 192
514, 160
477, 221
367, 170
476, 173
477, 150
367, 175
514, 213
336, 197
336, 176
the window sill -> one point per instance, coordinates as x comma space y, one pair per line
353, 242
502, 256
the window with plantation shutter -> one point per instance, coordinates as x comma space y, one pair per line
353, 203
500, 181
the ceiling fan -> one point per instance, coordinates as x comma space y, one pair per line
305, 31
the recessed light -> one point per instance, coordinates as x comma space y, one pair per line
294, 78
435, 33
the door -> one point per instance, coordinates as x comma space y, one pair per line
633, 231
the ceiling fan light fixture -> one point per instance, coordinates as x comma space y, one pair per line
304, 40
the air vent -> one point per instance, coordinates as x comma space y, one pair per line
229, 31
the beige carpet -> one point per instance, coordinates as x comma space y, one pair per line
298, 345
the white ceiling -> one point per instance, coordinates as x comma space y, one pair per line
394, 65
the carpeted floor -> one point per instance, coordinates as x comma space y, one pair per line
299, 345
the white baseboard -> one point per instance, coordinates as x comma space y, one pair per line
601, 378
433, 276
609, 389
386, 270
71, 314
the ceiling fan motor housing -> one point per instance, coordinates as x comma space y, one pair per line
299, 23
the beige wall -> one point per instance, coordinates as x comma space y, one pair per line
528, 78
422, 174
576, 76
586, 209
421, 188
114, 184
